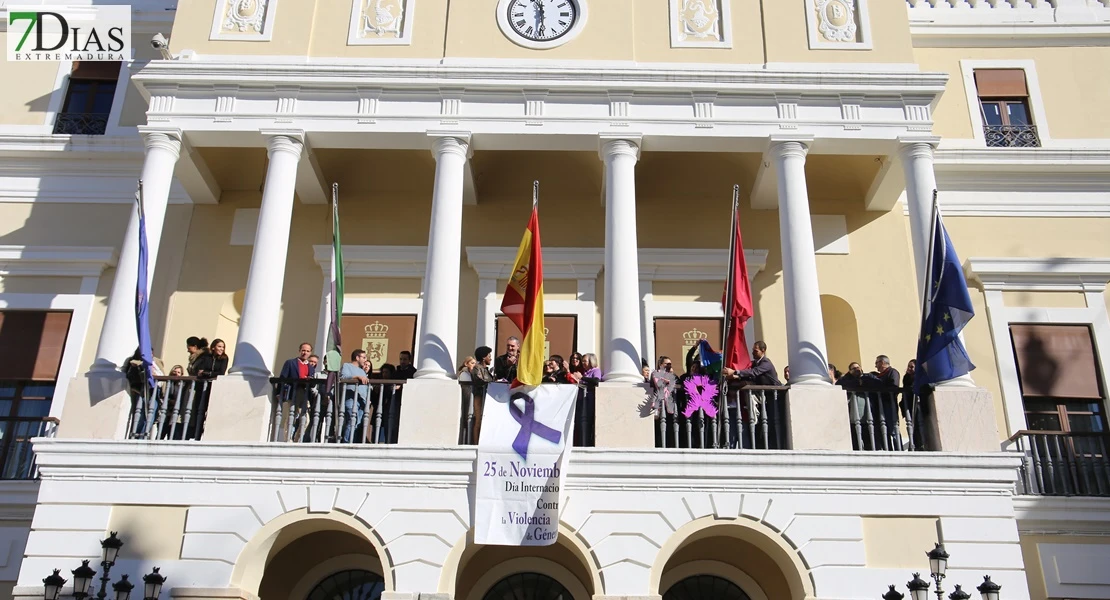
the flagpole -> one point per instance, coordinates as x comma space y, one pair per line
927, 284
146, 286
535, 193
730, 291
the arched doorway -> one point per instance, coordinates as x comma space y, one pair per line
350, 584
318, 559
528, 586
705, 587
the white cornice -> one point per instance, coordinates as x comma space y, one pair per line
1030, 182
1041, 274
679, 264
1056, 23
590, 469
558, 263
656, 264
55, 261
332, 73
402, 262
1047, 515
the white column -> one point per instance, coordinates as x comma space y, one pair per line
921, 181
119, 336
258, 327
486, 329
620, 360
917, 162
805, 330
439, 324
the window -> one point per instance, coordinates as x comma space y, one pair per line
528, 586
705, 587
1004, 105
1058, 374
31, 345
88, 102
349, 585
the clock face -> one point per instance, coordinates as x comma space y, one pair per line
542, 20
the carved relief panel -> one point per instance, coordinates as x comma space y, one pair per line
381, 22
700, 24
247, 20
838, 24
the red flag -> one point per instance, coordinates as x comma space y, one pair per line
736, 347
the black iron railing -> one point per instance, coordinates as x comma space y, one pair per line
174, 410
886, 419
16, 455
473, 402
81, 123
1057, 463
750, 417
303, 411
1011, 136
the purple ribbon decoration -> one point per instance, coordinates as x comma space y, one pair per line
701, 391
529, 426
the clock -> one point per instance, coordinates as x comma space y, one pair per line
541, 24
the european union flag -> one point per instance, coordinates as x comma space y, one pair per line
142, 318
947, 308
711, 361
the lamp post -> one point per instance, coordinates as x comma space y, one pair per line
83, 578
938, 566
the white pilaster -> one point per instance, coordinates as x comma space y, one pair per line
921, 181
258, 328
805, 330
119, 336
439, 330
620, 359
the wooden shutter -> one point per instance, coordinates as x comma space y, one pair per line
31, 344
1056, 361
674, 337
383, 337
562, 334
1001, 83
95, 69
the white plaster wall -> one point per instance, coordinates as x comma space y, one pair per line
416, 506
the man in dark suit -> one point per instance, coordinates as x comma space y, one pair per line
301, 396
299, 367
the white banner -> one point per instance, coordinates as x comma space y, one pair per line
525, 439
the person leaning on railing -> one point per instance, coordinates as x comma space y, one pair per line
355, 393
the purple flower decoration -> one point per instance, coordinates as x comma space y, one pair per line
701, 391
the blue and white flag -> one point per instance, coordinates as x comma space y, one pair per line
142, 318
522, 457
947, 309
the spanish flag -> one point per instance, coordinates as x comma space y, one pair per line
523, 303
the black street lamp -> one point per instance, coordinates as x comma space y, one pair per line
53, 585
938, 566
83, 578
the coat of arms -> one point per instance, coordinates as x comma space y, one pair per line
376, 343
691, 339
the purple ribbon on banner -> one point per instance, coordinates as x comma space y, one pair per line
529, 426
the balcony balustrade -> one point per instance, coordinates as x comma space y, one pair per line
1058, 463
1011, 136
16, 457
304, 412
885, 419
752, 417
81, 123
173, 410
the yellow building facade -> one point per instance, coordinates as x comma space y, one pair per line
836, 119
